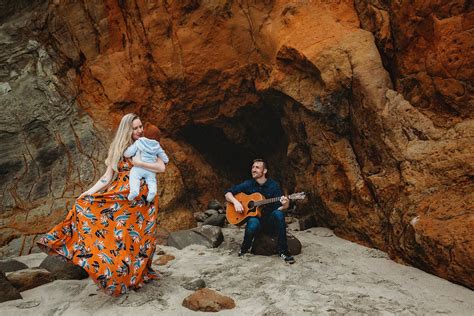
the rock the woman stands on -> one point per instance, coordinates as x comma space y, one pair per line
112, 238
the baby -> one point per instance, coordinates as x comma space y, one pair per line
150, 148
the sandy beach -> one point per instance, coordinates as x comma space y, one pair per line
332, 276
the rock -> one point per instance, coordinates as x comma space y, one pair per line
162, 235
183, 238
29, 278
7, 291
177, 218
307, 222
206, 235
164, 259
63, 270
211, 212
215, 220
5, 87
10, 265
266, 245
214, 205
207, 300
50, 132
194, 284
200, 216
212, 233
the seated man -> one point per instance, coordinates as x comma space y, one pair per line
272, 215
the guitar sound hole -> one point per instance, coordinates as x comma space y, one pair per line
251, 204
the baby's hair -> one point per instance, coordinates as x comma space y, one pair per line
151, 132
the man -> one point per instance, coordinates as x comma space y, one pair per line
272, 215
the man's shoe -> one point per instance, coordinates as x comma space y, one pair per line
242, 252
287, 257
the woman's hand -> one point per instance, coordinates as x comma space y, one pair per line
85, 193
137, 160
102, 183
158, 166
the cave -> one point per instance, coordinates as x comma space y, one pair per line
230, 145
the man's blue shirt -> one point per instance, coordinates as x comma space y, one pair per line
270, 189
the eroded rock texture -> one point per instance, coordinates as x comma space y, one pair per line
50, 150
385, 158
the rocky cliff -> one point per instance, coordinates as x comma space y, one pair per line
366, 105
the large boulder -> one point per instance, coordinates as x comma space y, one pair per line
7, 291
206, 235
212, 233
10, 265
63, 270
266, 245
29, 278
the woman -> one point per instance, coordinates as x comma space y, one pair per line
112, 238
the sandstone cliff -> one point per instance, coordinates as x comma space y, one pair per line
364, 105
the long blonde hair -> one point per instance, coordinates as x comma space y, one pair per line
122, 139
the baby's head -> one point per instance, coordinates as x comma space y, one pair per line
151, 132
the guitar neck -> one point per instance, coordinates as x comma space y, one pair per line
267, 201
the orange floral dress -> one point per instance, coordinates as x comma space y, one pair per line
112, 238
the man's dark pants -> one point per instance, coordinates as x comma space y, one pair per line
273, 223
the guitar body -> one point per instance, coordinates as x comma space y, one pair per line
247, 201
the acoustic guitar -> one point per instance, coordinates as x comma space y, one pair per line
252, 206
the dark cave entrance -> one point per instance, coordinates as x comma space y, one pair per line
229, 145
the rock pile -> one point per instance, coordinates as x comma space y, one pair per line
214, 215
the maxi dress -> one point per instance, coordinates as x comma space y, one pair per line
112, 238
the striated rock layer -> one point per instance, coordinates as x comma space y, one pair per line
386, 157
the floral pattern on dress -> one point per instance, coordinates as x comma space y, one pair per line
112, 238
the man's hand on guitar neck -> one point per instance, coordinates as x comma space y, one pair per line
285, 203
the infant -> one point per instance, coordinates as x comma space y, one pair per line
149, 148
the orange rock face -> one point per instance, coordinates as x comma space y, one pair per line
382, 142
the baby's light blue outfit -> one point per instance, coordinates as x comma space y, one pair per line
149, 149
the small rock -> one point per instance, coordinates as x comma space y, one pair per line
207, 300
215, 220
200, 216
211, 212
7, 291
10, 265
28, 304
194, 284
214, 205
63, 270
164, 259
5, 87
29, 278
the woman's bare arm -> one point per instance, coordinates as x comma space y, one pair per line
157, 167
102, 183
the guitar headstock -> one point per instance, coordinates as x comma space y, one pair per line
297, 196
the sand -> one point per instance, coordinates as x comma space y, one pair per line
331, 276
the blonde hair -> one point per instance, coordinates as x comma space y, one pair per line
122, 139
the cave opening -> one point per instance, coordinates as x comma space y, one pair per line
230, 145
